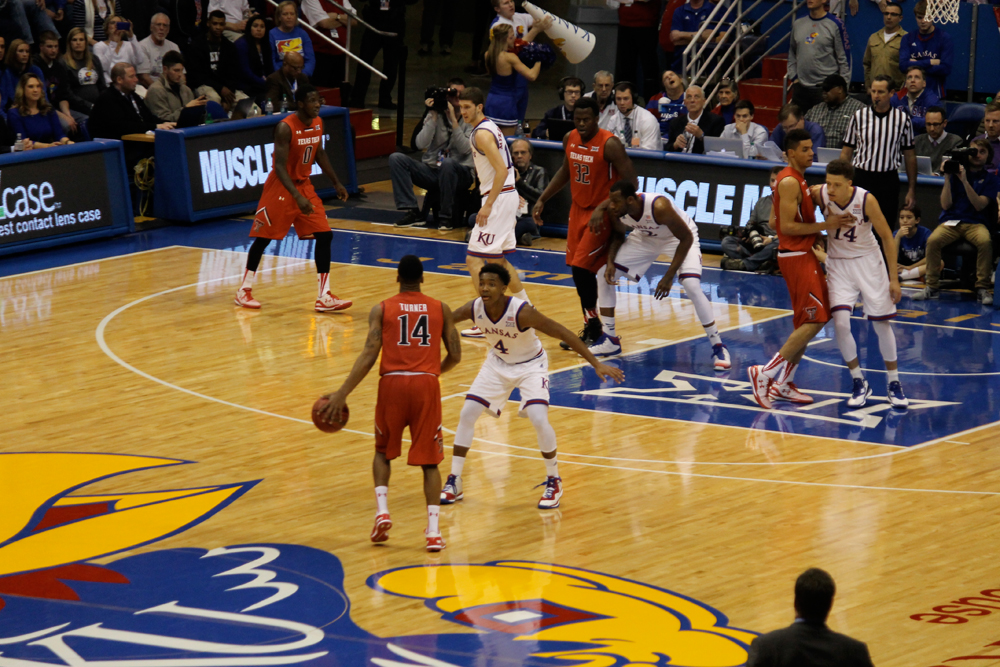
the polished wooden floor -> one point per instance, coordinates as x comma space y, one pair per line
145, 354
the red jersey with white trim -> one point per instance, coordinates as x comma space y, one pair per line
591, 175
806, 213
411, 334
302, 148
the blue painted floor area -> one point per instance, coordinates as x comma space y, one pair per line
949, 350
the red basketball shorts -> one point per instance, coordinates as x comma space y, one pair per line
414, 401
277, 212
807, 287
584, 249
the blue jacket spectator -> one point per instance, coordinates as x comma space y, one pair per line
790, 119
670, 103
17, 64
916, 100
254, 50
684, 24
33, 117
287, 36
929, 48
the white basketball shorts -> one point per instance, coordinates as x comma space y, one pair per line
496, 238
863, 276
638, 253
497, 379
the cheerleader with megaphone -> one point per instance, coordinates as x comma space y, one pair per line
504, 99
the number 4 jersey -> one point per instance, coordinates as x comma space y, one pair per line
411, 334
850, 242
507, 340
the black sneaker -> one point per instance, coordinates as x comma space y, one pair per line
446, 224
589, 334
525, 239
412, 219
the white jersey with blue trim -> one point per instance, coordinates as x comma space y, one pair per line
483, 166
850, 242
508, 341
647, 227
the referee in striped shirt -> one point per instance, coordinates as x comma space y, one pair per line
877, 140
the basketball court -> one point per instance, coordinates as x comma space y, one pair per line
170, 504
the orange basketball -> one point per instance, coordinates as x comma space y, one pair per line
327, 427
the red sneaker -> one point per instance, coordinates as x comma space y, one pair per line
380, 533
761, 385
435, 542
244, 298
330, 303
788, 392
553, 492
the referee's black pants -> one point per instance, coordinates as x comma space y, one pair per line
884, 186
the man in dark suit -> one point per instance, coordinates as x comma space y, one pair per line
283, 83
119, 111
688, 130
808, 642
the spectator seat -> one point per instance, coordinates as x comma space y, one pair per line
965, 118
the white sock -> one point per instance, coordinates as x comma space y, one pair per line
608, 322
776, 367
382, 498
910, 274
790, 374
433, 513
457, 463
248, 277
322, 280
856, 373
892, 376
523, 295
712, 331
552, 466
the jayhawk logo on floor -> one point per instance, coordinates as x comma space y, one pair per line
259, 605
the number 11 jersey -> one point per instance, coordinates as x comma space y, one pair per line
591, 175
411, 335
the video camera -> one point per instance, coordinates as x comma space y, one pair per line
956, 157
441, 97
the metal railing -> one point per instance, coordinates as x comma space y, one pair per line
696, 60
345, 51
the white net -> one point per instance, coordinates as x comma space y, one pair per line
942, 11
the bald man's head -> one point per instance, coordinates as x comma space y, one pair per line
292, 65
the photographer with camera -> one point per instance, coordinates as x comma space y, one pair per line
968, 210
446, 163
754, 247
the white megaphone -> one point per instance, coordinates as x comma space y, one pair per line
572, 41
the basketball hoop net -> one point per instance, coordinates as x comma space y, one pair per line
942, 11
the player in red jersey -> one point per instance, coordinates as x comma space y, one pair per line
595, 159
289, 198
414, 326
793, 215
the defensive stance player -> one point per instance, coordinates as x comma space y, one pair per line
493, 237
516, 360
595, 158
854, 267
408, 329
657, 226
289, 199
793, 215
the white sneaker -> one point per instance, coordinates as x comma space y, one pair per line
330, 303
553, 492
474, 332
452, 490
788, 392
761, 385
244, 297
606, 346
721, 360
897, 398
859, 394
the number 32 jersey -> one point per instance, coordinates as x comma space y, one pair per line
591, 175
850, 242
411, 335
507, 340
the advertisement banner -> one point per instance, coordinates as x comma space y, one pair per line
230, 168
53, 197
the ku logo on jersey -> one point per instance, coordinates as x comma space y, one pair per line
812, 37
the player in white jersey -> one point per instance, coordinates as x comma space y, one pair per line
493, 237
854, 267
654, 226
516, 360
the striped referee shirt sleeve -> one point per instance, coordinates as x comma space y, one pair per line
907, 142
851, 134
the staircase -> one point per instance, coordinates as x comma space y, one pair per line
368, 142
765, 92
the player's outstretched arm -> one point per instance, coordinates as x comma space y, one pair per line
557, 183
614, 152
323, 160
462, 313
889, 249
664, 214
452, 342
282, 142
529, 318
363, 364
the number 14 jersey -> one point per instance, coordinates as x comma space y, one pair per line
850, 242
411, 334
591, 175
